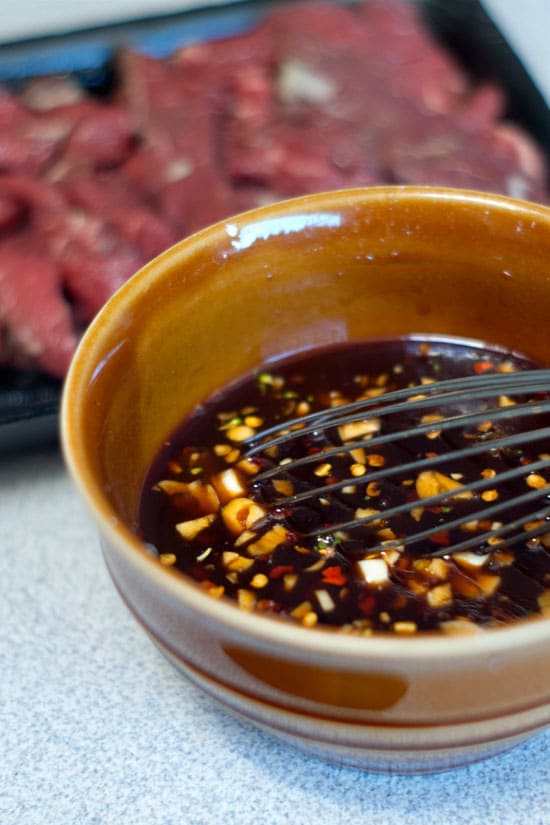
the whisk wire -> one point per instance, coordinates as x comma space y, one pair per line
418, 429
463, 389
438, 498
419, 466
516, 527
493, 392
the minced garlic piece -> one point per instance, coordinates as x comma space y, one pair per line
167, 559
246, 599
240, 514
240, 433
431, 483
268, 541
359, 429
440, 595
374, 571
535, 481
406, 628
191, 528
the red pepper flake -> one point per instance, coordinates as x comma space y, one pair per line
333, 575
367, 605
269, 606
280, 570
483, 366
442, 538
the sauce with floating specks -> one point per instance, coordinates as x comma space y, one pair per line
204, 514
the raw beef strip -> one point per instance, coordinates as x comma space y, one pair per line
82, 133
24, 145
409, 114
314, 25
215, 60
111, 197
293, 128
400, 49
322, 125
92, 258
433, 151
36, 320
366, 60
12, 213
178, 166
485, 104
102, 138
92, 279
85, 133
44, 207
291, 158
322, 64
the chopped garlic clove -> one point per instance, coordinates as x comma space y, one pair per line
267, 543
440, 595
359, 429
228, 485
203, 495
431, 483
471, 560
374, 571
240, 514
189, 529
326, 602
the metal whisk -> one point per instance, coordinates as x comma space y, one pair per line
462, 466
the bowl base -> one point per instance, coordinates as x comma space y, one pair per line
340, 743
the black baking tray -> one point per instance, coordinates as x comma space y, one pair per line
29, 401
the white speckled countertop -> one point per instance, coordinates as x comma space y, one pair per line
96, 727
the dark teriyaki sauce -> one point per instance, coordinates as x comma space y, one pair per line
204, 513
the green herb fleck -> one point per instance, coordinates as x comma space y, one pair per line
234, 422
265, 379
322, 544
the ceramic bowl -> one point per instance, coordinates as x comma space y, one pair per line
315, 270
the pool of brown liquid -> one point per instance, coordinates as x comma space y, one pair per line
203, 512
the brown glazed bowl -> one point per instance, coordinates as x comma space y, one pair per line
331, 267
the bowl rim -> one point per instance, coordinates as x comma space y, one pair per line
257, 628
